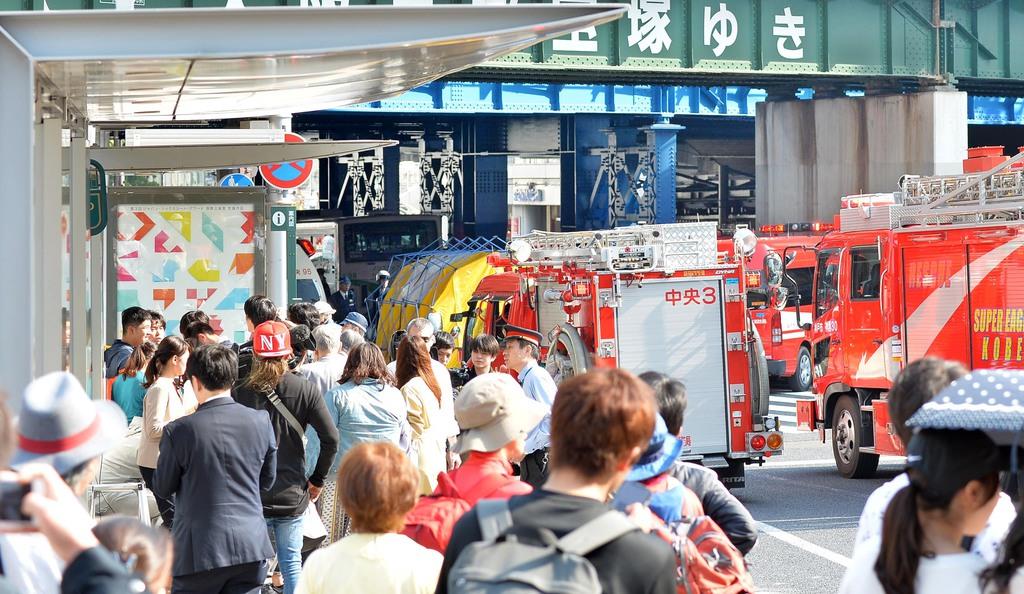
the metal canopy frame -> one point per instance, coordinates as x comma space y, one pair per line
194, 64
222, 156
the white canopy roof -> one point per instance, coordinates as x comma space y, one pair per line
198, 64
192, 64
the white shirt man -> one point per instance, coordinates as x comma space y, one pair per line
325, 372
120, 465
521, 348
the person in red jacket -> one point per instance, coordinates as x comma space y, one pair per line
495, 416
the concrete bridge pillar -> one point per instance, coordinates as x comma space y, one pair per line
809, 154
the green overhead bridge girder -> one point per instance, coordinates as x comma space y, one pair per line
976, 45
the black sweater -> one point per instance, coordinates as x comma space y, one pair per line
719, 504
288, 496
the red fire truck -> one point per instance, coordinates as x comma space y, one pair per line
651, 297
933, 269
787, 346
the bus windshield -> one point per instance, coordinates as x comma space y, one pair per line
365, 242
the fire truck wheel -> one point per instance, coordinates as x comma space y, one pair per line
847, 430
801, 379
759, 385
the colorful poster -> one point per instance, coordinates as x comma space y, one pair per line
175, 258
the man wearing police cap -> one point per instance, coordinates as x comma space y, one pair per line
522, 349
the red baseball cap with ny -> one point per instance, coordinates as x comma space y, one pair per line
271, 340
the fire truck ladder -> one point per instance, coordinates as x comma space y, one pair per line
997, 194
638, 248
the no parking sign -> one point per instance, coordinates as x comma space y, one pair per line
288, 175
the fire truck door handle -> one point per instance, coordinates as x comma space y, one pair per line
877, 340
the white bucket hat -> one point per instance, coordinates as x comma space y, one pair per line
324, 308
61, 426
493, 410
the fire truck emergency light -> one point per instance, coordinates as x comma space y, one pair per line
782, 228
744, 241
519, 250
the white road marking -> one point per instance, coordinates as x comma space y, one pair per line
818, 519
804, 545
791, 396
823, 462
783, 406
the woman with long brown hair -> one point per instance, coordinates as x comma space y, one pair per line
366, 407
954, 485
422, 394
164, 402
294, 405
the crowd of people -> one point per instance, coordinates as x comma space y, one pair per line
302, 461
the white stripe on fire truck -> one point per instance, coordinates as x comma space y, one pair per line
935, 311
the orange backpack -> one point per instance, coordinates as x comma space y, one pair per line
707, 561
711, 563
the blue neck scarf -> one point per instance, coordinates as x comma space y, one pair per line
668, 505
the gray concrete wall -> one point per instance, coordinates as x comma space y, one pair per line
809, 154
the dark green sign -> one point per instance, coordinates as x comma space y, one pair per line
282, 218
97, 192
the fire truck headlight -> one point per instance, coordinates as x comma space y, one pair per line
744, 241
519, 250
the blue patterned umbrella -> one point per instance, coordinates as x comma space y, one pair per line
989, 400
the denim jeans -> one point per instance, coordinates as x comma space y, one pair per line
287, 535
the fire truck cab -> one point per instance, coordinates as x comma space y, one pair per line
935, 269
774, 313
650, 297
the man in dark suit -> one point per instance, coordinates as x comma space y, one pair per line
343, 300
216, 462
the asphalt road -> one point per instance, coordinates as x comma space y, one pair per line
808, 516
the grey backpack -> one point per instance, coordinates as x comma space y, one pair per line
503, 564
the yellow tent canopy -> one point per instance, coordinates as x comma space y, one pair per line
441, 282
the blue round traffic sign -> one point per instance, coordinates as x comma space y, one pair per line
236, 180
288, 175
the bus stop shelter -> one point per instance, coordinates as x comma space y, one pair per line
62, 71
